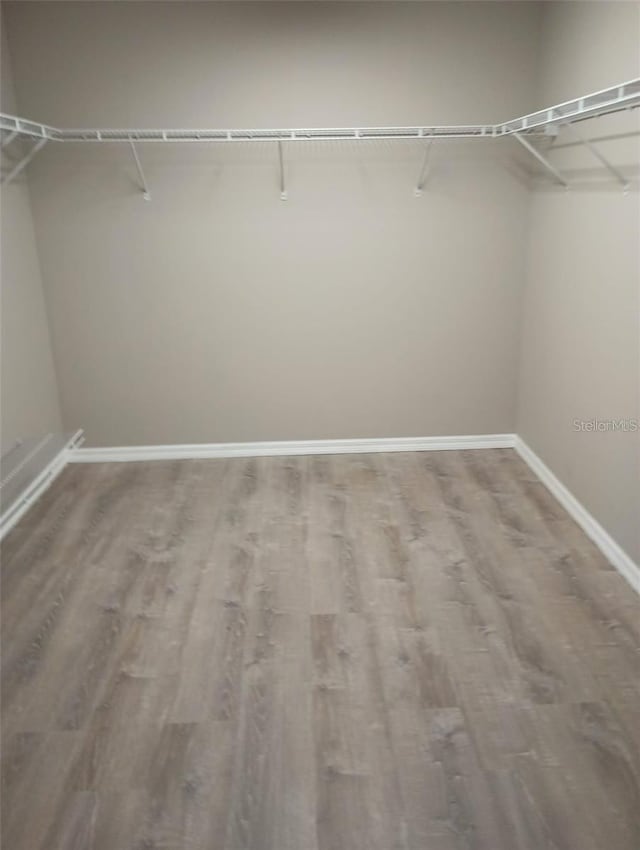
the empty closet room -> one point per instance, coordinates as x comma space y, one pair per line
320, 425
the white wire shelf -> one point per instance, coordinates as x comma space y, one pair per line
31, 129
614, 99
604, 102
545, 121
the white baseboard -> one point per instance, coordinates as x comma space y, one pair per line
37, 487
72, 454
614, 553
293, 447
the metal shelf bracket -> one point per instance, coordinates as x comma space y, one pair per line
146, 194
424, 170
622, 180
283, 189
8, 139
550, 168
23, 162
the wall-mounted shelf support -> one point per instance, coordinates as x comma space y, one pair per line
23, 162
146, 194
283, 188
551, 168
622, 180
422, 177
8, 139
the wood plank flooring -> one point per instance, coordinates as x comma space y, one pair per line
367, 652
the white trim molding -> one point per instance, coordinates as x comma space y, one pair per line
200, 451
39, 484
614, 553
71, 453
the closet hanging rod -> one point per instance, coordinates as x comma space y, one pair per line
614, 99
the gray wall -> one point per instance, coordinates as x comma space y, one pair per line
581, 339
28, 393
218, 312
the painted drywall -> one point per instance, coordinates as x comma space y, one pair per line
28, 392
217, 312
581, 335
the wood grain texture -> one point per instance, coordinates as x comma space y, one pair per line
369, 652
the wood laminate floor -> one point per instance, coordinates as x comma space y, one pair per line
383, 652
